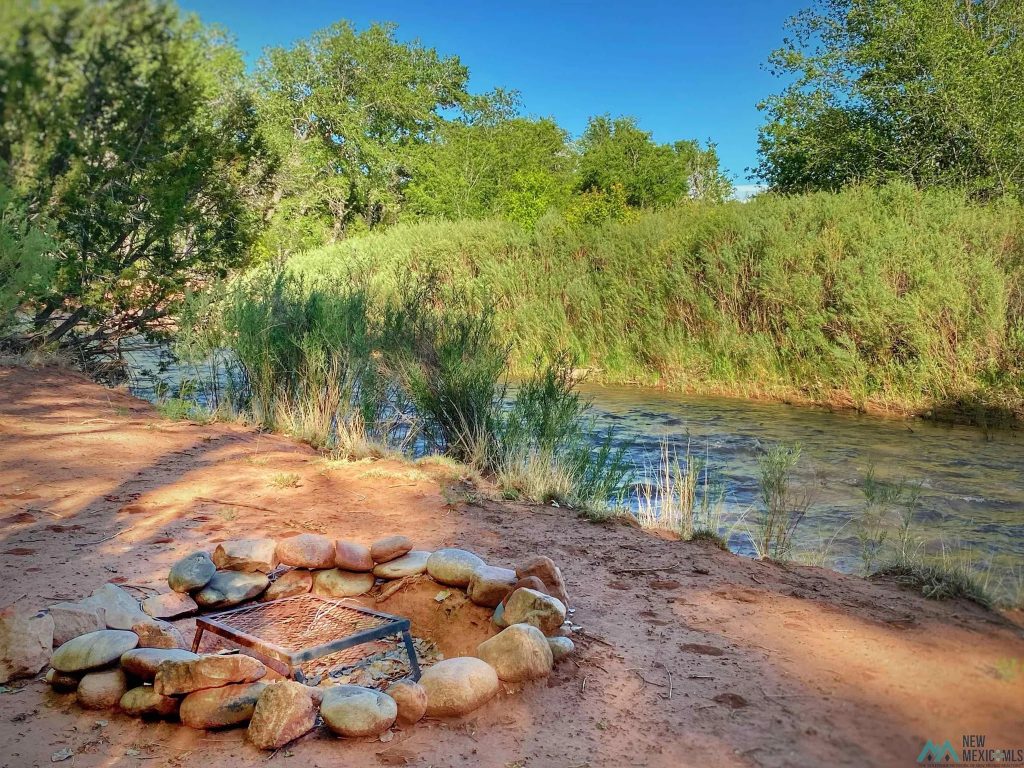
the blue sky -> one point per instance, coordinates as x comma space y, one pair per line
683, 69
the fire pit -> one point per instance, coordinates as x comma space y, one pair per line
295, 630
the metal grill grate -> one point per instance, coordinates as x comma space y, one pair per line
295, 630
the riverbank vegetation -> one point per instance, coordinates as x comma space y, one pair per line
902, 299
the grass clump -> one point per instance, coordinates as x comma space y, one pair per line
940, 580
783, 503
285, 480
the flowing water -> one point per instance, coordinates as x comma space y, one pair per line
971, 501
972, 481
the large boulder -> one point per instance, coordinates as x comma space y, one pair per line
351, 556
389, 548
143, 662
26, 642
561, 647
350, 710
518, 653
528, 606
246, 555
307, 550
284, 711
453, 567
410, 564
102, 690
456, 687
73, 619
175, 677
411, 699
289, 584
118, 609
143, 701
154, 633
228, 588
192, 572
94, 650
220, 707
488, 585
338, 583
170, 605
544, 568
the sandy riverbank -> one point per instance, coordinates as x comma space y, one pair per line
769, 665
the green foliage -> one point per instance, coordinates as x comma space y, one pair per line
941, 580
888, 297
491, 162
450, 363
617, 153
924, 90
783, 505
129, 128
343, 109
26, 261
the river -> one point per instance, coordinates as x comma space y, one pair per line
972, 481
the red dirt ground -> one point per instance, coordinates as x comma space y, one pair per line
746, 663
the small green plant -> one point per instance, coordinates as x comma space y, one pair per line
949, 574
783, 506
177, 409
285, 480
1008, 669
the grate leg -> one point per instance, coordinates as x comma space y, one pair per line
196, 640
410, 649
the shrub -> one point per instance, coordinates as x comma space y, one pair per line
783, 506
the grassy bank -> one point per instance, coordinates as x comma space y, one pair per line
889, 299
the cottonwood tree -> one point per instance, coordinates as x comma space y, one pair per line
128, 128
491, 161
930, 91
617, 153
343, 109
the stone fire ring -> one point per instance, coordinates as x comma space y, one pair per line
302, 600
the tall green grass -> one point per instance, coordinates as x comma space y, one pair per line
357, 373
891, 298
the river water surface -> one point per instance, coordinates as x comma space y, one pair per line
972, 481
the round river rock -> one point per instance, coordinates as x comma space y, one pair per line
453, 567
410, 564
455, 687
307, 550
350, 710
191, 572
93, 650
338, 583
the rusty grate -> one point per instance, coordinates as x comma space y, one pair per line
295, 630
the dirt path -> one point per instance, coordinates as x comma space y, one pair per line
746, 663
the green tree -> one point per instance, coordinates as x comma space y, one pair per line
127, 126
930, 91
26, 264
617, 152
343, 109
492, 162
